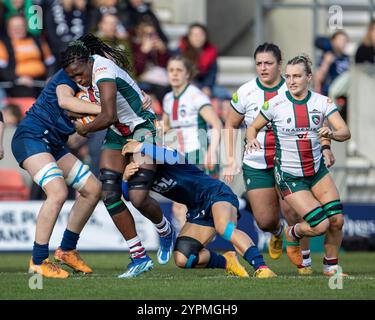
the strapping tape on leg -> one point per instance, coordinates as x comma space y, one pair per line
49, 172
78, 175
229, 230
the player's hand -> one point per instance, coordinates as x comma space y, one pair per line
329, 158
325, 132
80, 128
147, 101
130, 170
230, 170
133, 146
252, 145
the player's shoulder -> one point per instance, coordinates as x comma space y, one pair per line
247, 88
317, 97
168, 97
102, 64
278, 100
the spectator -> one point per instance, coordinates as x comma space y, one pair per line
150, 57
366, 50
24, 60
12, 115
334, 62
107, 32
138, 11
22, 7
104, 7
64, 21
197, 47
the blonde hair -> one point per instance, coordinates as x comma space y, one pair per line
367, 39
304, 59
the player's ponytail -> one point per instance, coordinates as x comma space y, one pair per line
303, 59
80, 51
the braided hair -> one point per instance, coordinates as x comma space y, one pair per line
80, 51
305, 60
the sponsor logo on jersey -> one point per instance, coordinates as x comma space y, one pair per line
316, 119
265, 105
235, 97
101, 69
163, 185
314, 111
256, 109
302, 136
289, 120
182, 113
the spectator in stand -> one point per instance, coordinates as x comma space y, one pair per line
64, 21
138, 11
22, 7
150, 57
12, 114
197, 47
107, 7
25, 61
334, 62
366, 50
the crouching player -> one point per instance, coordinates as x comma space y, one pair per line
212, 208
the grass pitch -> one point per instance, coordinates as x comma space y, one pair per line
169, 282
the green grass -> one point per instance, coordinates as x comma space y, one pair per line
169, 282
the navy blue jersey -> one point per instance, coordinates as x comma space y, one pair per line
185, 183
46, 113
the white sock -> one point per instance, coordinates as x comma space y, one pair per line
306, 258
163, 228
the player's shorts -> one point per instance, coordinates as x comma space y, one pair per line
203, 215
26, 144
258, 178
289, 184
144, 132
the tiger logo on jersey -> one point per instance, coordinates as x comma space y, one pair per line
315, 119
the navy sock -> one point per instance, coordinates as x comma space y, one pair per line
216, 261
254, 257
40, 253
69, 241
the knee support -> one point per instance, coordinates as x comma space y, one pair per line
78, 175
111, 186
190, 248
229, 230
332, 208
314, 217
49, 172
142, 180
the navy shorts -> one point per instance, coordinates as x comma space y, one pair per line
26, 143
203, 214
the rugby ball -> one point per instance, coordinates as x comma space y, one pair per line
89, 118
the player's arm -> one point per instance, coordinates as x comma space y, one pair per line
233, 122
340, 130
166, 124
108, 114
252, 131
325, 147
209, 115
67, 101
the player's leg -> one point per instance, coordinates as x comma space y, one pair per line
139, 186
263, 198
45, 172
78, 176
190, 251
112, 165
179, 215
225, 218
292, 218
326, 192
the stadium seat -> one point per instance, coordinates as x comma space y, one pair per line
25, 103
12, 186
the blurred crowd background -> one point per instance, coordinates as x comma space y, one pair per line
219, 37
